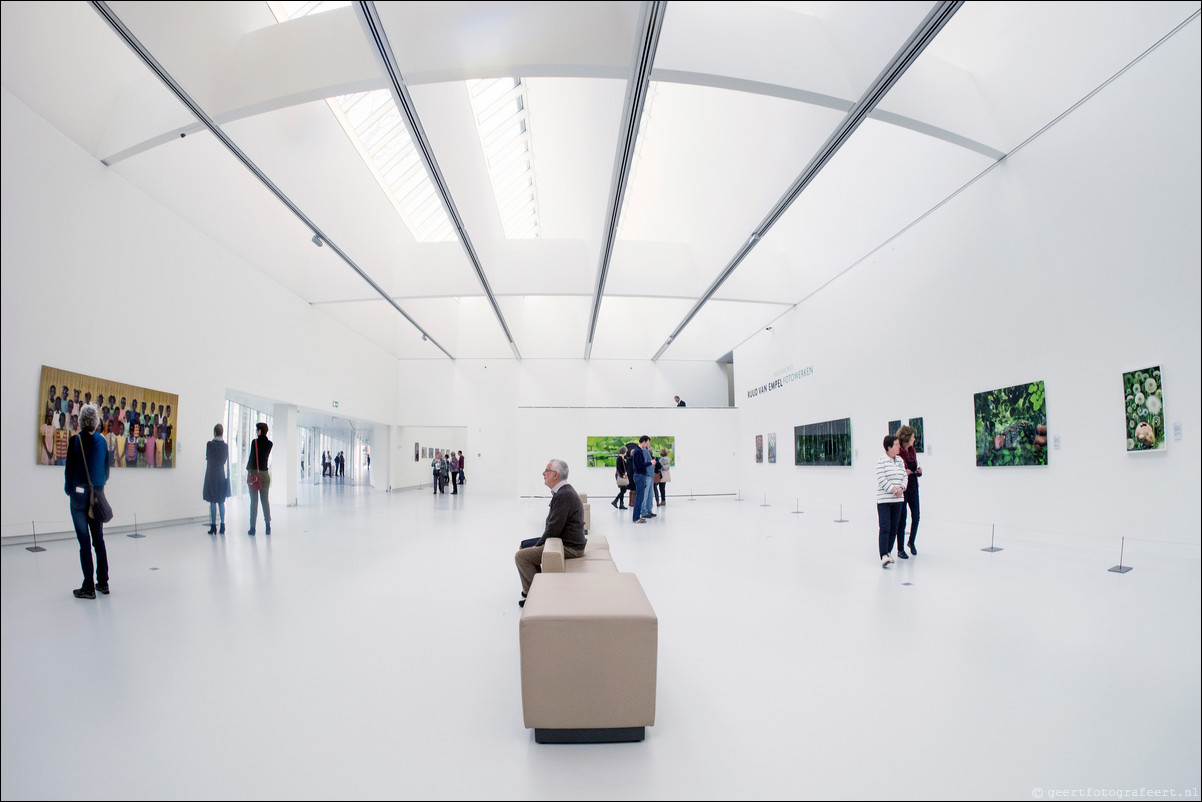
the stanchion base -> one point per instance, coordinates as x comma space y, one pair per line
135, 534
39, 548
993, 548
799, 512
765, 505
841, 520
1119, 569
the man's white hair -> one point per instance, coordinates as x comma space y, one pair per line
561, 468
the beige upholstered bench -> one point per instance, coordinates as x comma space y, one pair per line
589, 649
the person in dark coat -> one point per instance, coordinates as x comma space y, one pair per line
260, 450
565, 520
217, 478
87, 464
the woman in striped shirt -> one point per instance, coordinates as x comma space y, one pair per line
890, 496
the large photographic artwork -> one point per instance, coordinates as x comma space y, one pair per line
138, 423
1145, 409
1012, 426
825, 443
759, 448
602, 452
772, 448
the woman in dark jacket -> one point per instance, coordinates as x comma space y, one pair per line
217, 479
87, 464
256, 465
619, 475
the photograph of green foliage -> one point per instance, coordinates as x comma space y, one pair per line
1145, 409
916, 425
602, 452
825, 443
1012, 426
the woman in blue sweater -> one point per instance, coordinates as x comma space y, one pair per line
87, 464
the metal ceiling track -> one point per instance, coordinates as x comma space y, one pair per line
905, 57
169, 81
636, 99
400, 94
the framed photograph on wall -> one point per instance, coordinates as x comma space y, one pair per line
825, 443
772, 448
759, 448
1012, 426
138, 423
1144, 404
913, 423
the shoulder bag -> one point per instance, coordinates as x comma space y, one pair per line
98, 505
253, 480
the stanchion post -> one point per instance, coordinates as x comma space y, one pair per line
33, 527
992, 547
135, 532
1120, 568
765, 504
841, 519
798, 510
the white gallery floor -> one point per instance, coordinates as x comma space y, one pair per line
368, 649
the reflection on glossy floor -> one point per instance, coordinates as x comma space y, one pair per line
368, 649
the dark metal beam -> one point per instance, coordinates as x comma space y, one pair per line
636, 98
400, 95
909, 52
176, 89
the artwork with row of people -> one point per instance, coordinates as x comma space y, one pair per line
448, 468
897, 475
216, 487
131, 444
644, 476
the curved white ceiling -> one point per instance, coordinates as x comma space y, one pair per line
741, 97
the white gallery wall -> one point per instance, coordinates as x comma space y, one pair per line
100, 279
1073, 261
488, 398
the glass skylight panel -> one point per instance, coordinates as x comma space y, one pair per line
503, 123
374, 125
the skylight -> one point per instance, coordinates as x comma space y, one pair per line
502, 117
374, 126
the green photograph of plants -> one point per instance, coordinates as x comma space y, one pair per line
1145, 409
602, 452
825, 443
1012, 426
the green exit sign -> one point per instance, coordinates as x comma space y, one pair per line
335, 405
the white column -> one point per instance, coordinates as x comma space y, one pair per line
286, 450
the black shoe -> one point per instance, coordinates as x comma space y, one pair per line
268, 532
653, 515
221, 531
623, 507
84, 593
102, 589
913, 550
212, 530
613, 504
251, 532
521, 602
902, 553
523, 595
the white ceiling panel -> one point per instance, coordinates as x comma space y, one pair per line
829, 49
1028, 61
720, 326
882, 180
379, 323
637, 325
702, 177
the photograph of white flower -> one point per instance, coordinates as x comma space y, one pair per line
1145, 409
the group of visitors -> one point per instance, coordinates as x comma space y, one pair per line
644, 476
897, 475
333, 465
448, 468
217, 479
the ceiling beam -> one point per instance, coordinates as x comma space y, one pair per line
134, 44
632, 114
374, 27
922, 36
